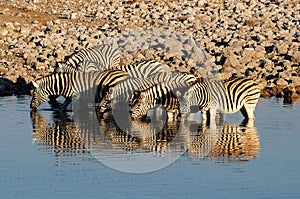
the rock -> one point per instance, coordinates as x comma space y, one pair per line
25, 30
73, 15
296, 80
232, 61
289, 94
262, 84
296, 56
268, 92
9, 25
8, 87
269, 49
281, 82
3, 69
282, 48
3, 32
30, 60
105, 27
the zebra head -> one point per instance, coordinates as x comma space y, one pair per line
139, 105
38, 96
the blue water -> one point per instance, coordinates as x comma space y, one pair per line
30, 169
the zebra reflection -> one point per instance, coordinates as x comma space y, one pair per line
141, 136
64, 136
59, 136
228, 142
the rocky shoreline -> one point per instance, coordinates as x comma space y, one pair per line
259, 39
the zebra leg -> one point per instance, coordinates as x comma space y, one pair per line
248, 123
248, 110
170, 115
205, 118
212, 116
212, 113
204, 115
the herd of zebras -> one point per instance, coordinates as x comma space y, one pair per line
142, 85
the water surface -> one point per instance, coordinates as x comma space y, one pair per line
43, 155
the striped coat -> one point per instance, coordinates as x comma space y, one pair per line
228, 96
90, 85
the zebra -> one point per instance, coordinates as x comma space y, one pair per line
143, 74
176, 83
96, 58
121, 93
164, 94
173, 76
145, 69
227, 96
74, 84
139, 73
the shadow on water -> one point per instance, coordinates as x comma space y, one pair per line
66, 137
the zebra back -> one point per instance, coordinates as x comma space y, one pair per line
125, 89
100, 58
145, 69
120, 94
238, 92
173, 76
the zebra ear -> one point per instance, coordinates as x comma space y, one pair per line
59, 64
59, 67
36, 85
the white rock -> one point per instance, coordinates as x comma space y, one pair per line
25, 30
3, 32
73, 15
281, 82
9, 25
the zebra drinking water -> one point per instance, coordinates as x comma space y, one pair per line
92, 84
165, 95
143, 75
165, 91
